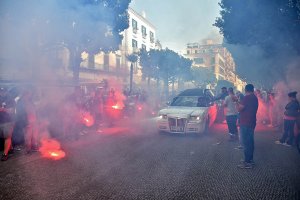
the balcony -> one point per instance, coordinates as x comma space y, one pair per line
134, 30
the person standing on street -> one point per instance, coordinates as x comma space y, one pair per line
26, 114
290, 115
221, 110
248, 109
6, 121
231, 114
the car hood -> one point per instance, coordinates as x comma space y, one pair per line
174, 111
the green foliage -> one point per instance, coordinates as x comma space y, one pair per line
269, 24
262, 35
164, 65
133, 58
79, 25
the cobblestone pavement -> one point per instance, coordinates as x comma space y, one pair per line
127, 163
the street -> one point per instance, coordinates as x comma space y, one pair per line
139, 163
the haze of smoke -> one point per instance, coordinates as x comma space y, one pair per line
32, 32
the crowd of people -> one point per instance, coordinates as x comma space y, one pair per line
24, 115
28, 113
255, 107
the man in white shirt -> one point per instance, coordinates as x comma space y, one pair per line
231, 114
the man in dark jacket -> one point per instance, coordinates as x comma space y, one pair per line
290, 116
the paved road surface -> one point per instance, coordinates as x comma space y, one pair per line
138, 163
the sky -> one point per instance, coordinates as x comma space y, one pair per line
179, 22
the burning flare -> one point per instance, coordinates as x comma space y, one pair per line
88, 119
51, 149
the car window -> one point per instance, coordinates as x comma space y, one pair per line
190, 101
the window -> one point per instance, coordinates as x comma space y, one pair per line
144, 31
144, 47
134, 26
134, 43
198, 60
188, 51
151, 37
196, 51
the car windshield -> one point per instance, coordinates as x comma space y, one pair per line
190, 101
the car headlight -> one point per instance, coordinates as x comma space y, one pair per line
163, 116
195, 118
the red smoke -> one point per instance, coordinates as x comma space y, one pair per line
50, 149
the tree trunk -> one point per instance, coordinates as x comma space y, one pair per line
91, 59
131, 78
166, 88
75, 66
158, 87
148, 82
173, 87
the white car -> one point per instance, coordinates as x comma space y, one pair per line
192, 111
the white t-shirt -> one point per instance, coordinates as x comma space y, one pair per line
230, 108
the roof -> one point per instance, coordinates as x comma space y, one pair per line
145, 20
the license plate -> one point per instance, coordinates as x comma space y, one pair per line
177, 129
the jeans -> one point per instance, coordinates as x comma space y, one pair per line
231, 123
288, 132
247, 134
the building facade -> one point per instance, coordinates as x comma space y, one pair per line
216, 58
141, 34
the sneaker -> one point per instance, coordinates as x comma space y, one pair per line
239, 147
251, 162
245, 165
4, 157
286, 144
82, 133
278, 142
17, 148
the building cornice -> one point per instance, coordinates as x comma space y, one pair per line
141, 18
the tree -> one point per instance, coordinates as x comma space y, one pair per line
202, 77
263, 23
79, 25
266, 31
145, 62
132, 58
164, 65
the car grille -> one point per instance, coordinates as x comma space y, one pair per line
177, 124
